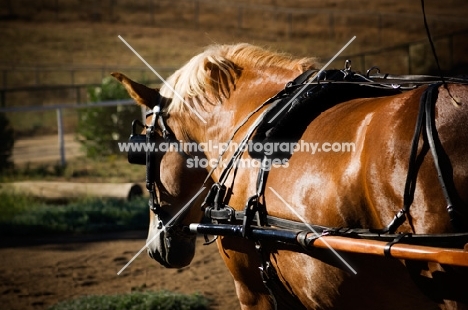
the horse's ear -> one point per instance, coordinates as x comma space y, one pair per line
142, 94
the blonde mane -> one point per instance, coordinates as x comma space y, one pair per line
211, 75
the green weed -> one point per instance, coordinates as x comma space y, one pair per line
161, 300
22, 216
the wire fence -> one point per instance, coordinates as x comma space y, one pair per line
45, 85
263, 19
286, 17
37, 76
37, 92
273, 19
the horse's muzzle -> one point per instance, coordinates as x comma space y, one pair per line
172, 247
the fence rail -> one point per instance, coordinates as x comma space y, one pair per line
265, 17
68, 83
59, 108
68, 75
364, 59
192, 10
407, 58
75, 88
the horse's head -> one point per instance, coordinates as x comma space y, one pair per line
175, 186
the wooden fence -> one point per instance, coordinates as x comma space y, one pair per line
46, 83
59, 112
286, 18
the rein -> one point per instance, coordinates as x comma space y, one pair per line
255, 212
303, 235
214, 206
425, 115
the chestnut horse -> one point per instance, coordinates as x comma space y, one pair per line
218, 95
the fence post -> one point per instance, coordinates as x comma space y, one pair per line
61, 140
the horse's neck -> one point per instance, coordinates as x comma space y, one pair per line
227, 123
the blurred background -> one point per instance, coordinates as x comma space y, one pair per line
58, 155
54, 52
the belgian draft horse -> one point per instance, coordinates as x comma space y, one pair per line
209, 98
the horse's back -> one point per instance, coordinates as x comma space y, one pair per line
363, 186
358, 162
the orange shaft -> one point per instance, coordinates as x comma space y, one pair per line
457, 257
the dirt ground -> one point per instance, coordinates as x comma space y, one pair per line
36, 273
45, 149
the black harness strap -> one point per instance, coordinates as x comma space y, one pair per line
151, 163
389, 245
271, 101
456, 217
426, 107
431, 131
425, 112
168, 136
410, 183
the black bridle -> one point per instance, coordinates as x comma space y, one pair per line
158, 123
151, 159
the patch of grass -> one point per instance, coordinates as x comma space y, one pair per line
113, 168
12, 205
23, 216
161, 300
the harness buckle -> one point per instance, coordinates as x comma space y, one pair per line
347, 66
213, 197
226, 213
